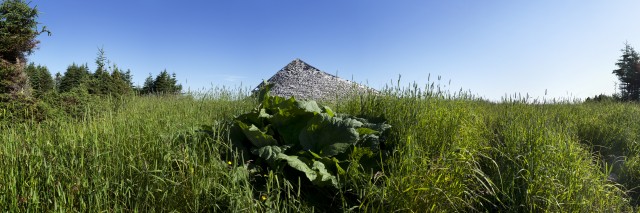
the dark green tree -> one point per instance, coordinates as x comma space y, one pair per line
628, 73
166, 84
162, 84
120, 85
100, 80
126, 76
40, 79
101, 61
18, 32
148, 85
109, 79
57, 81
75, 76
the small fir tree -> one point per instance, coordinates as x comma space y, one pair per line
75, 76
40, 79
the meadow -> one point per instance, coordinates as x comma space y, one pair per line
453, 153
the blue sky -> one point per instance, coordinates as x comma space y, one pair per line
492, 48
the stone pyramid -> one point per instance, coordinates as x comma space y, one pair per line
303, 81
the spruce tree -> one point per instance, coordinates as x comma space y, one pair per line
147, 88
100, 81
40, 79
119, 84
166, 84
628, 73
75, 76
162, 84
18, 32
57, 81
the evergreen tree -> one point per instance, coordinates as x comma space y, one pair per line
109, 80
57, 81
177, 88
148, 85
166, 84
18, 30
101, 61
75, 76
100, 80
127, 77
628, 73
162, 84
40, 79
119, 84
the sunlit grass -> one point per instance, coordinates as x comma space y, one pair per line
455, 152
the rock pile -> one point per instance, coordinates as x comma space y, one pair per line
303, 81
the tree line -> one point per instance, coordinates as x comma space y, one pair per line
107, 79
29, 91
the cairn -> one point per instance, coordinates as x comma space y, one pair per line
303, 81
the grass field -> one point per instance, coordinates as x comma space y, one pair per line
453, 153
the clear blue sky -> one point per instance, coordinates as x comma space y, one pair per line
491, 48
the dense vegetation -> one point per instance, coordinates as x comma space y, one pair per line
453, 154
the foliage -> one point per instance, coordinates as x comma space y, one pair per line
162, 84
104, 81
75, 76
77, 103
628, 73
120, 82
453, 155
89, 164
603, 98
16, 102
13, 80
148, 85
20, 108
109, 80
40, 79
303, 136
18, 30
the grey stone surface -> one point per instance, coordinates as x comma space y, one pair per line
303, 81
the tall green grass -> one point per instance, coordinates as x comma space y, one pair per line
454, 153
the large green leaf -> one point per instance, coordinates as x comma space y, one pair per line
317, 173
269, 153
323, 177
326, 109
297, 106
239, 141
258, 138
290, 117
265, 91
308, 106
289, 125
263, 114
329, 136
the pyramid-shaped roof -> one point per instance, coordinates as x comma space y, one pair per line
303, 81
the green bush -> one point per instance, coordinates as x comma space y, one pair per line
309, 146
